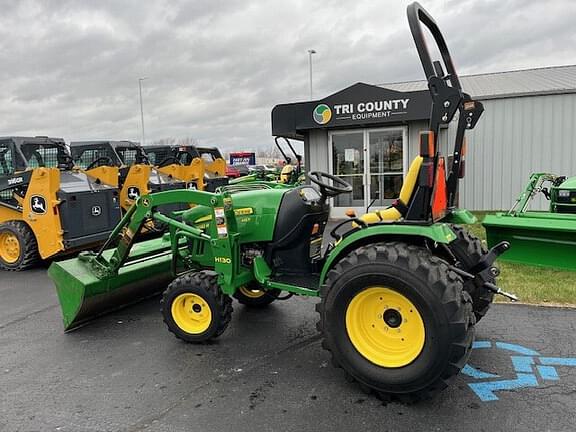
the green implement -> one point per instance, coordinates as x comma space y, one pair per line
84, 296
540, 238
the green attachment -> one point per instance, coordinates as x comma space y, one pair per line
94, 283
536, 238
83, 294
438, 232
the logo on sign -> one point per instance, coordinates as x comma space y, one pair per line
38, 204
322, 114
96, 211
133, 193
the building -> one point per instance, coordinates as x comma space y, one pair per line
368, 134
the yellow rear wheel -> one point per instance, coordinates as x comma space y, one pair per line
191, 313
251, 293
396, 319
9, 247
385, 327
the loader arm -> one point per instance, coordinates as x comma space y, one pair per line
532, 188
129, 228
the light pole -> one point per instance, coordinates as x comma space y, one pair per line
310, 52
142, 108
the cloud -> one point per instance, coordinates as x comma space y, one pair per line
216, 68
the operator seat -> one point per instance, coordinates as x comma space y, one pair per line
392, 213
287, 173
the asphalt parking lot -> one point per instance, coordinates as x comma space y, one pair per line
125, 372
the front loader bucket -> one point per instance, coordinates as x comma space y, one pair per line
536, 238
83, 296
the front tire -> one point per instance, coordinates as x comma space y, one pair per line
194, 308
397, 320
18, 247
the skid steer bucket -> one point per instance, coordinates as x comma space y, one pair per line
84, 296
536, 238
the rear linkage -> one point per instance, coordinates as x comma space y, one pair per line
484, 271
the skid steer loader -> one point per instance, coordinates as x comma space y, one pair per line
400, 289
47, 208
201, 171
214, 164
123, 165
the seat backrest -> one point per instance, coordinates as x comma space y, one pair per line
411, 180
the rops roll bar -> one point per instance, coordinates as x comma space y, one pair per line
416, 15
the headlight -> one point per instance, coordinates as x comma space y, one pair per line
563, 193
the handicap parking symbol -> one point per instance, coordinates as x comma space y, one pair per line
531, 368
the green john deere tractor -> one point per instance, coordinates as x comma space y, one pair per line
400, 290
289, 175
540, 238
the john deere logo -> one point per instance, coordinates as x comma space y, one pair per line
322, 114
38, 204
96, 211
133, 193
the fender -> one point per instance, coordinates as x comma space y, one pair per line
439, 233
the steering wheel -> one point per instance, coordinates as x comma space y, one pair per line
168, 161
337, 187
96, 163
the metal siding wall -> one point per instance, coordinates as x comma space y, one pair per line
514, 138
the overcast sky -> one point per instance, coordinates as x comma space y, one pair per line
216, 68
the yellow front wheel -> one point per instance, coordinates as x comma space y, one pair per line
18, 247
385, 327
195, 309
192, 313
9, 247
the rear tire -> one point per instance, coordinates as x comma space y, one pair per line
413, 353
194, 308
18, 247
252, 295
468, 249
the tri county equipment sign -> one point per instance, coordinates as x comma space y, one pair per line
358, 105
362, 110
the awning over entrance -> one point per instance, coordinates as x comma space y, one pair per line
358, 105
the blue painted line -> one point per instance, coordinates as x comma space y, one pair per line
478, 374
485, 390
548, 373
517, 348
522, 363
558, 361
481, 344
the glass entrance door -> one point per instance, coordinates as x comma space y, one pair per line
373, 162
348, 164
386, 166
